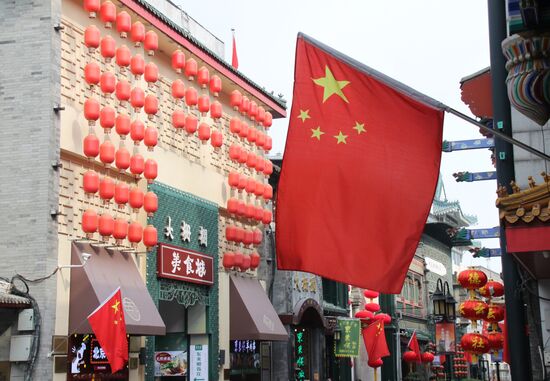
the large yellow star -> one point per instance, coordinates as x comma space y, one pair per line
304, 114
115, 306
316, 133
331, 85
341, 138
359, 127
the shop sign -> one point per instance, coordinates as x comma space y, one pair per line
170, 363
435, 266
245, 355
445, 338
199, 363
301, 354
86, 358
348, 345
184, 264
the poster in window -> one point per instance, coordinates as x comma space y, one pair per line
198, 363
170, 363
445, 338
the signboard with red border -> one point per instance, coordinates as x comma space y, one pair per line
183, 264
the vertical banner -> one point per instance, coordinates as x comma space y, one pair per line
445, 338
198, 363
348, 345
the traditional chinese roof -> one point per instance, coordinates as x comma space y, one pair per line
528, 205
448, 212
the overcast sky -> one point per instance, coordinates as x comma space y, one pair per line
428, 44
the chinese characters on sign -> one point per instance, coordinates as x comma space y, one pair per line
244, 346
305, 282
185, 232
348, 345
183, 264
301, 351
198, 363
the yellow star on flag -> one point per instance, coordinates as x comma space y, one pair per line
316, 133
359, 127
331, 85
341, 138
304, 114
115, 306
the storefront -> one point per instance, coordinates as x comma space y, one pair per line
183, 281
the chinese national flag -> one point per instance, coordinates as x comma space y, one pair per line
359, 171
375, 340
234, 58
413, 345
108, 324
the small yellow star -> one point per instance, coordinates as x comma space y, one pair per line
331, 86
359, 127
316, 133
115, 306
304, 114
341, 138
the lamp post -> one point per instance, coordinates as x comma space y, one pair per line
444, 311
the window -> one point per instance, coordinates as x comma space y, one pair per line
411, 301
335, 293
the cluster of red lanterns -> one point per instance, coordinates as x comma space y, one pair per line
257, 163
460, 366
107, 188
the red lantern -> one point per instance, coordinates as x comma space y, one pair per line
191, 69
268, 119
136, 198
410, 357
191, 124
137, 33
245, 105
137, 164
260, 115
151, 73
120, 230
123, 57
250, 185
260, 163
137, 65
178, 89
228, 260
204, 132
151, 138
496, 341
106, 225
239, 235
251, 136
178, 119
150, 171
233, 179
375, 363
108, 48
258, 214
122, 159
239, 258
492, 289
243, 180
371, 294
89, 222
254, 260
260, 139
246, 263
122, 91
92, 74
364, 315
474, 309
215, 85
268, 192
267, 217
204, 104
372, 307
191, 96
107, 13
268, 169
248, 237
107, 118
92, 7
91, 38
216, 110
107, 152
472, 279
268, 144
151, 42
137, 98
259, 189
135, 233
91, 111
178, 61
217, 139
243, 133
241, 208
107, 83
91, 146
253, 110
106, 189
235, 99
123, 24
90, 182
122, 193
243, 156
427, 357
475, 344
203, 77
137, 131
234, 152
150, 236
258, 235
495, 313
251, 160
230, 232
235, 125
151, 106
232, 205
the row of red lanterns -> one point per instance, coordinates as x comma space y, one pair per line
250, 108
122, 54
108, 83
251, 134
240, 261
237, 234
411, 357
251, 186
107, 115
255, 162
191, 71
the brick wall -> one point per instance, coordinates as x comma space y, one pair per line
29, 57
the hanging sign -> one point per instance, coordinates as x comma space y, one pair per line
348, 345
183, 264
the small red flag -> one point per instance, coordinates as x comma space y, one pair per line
375, 340
234, 58
109, 326
359, 171
413, 345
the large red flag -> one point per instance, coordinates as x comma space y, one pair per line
375, 340
413, 345
234, 58
359, 171
109, 326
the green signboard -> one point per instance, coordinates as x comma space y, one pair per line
348, 345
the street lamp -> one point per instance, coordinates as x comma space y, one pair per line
444, 310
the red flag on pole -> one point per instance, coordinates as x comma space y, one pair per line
109, 326
234, 58
375, 340
413, 345
359, 172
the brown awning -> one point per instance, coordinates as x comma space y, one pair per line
104, 271
252, 315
